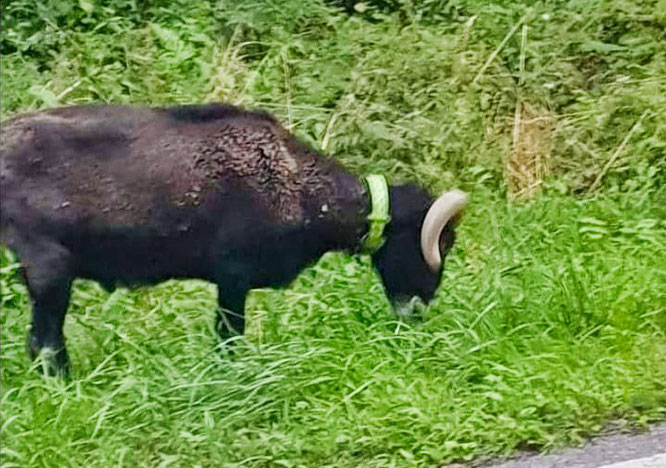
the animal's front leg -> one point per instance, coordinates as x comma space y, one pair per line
48, 278
231, 312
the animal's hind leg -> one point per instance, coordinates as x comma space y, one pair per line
47, 273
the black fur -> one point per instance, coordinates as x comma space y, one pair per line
138, 196
208, 112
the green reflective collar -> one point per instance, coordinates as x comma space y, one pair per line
379, 215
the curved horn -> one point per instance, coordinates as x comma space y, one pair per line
447, 206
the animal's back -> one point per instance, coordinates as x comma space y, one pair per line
117, 168
65, 166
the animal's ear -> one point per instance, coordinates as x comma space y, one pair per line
448, 237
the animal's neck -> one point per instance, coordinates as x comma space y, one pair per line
334, 222
340, 216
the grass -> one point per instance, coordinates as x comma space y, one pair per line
550, 324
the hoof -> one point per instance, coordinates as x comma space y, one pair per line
51, 362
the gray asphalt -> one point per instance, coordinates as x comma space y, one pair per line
645, 450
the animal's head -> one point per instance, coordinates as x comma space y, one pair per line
418, 238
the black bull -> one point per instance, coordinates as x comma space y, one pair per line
132, 196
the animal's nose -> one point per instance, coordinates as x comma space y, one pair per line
409, 307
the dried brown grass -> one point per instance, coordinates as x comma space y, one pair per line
529, 159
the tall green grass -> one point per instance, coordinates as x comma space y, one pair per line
549, 326
550, 323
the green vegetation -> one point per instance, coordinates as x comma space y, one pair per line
550, 324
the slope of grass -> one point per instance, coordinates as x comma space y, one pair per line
550, 323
